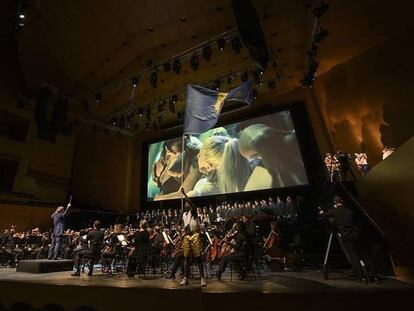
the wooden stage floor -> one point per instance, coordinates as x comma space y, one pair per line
293, 290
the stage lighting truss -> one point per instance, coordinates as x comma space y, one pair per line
318, 34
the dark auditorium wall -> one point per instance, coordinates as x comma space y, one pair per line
368, 101
106, 174
44, 169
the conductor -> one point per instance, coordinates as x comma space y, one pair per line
58, 228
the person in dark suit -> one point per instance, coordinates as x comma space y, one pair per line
95, 239
346, 224
58, 229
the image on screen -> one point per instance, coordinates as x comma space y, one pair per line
256, 154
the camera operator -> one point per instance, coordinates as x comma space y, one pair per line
345, 223
345, 165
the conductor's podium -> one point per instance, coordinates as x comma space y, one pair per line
44, 265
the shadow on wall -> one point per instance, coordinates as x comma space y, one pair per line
368, 100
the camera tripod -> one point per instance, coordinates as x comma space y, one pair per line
328, 249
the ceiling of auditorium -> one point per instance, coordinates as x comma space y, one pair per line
81, 47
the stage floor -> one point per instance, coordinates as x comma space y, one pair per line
309, 281
70, 291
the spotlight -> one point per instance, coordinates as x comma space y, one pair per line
271, 84
307, 81
171, 106
20, 21
216, 85
147, 126
257, 76
313, 67
221, 43
244, 76
322, 34
154, 79
174, 98
167, 67
236, 44
177, 66
140, 112
194, 62
134, 81
98, 97
113, 121
254, 93
207, 53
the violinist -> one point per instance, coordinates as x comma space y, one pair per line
141, 247
95, 241
34, 241
8, 246
178, 255
240, 250
192, 246
112, 245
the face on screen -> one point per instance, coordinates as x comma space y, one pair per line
256, 154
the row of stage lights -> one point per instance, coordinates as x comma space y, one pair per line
318, 35
124, 120
20, 15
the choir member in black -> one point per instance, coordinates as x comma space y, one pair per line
141, 247
93, 252
345, 223
291, 209
280, 209
240, 250
8, 246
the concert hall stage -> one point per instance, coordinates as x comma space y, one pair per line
291, 290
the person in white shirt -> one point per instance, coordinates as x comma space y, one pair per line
192, 246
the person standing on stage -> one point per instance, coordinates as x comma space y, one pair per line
58, 229
192, 246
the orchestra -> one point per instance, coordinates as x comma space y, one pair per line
166, 240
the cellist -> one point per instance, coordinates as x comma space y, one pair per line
240, 250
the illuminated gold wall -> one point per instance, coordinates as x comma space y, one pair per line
368, 101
